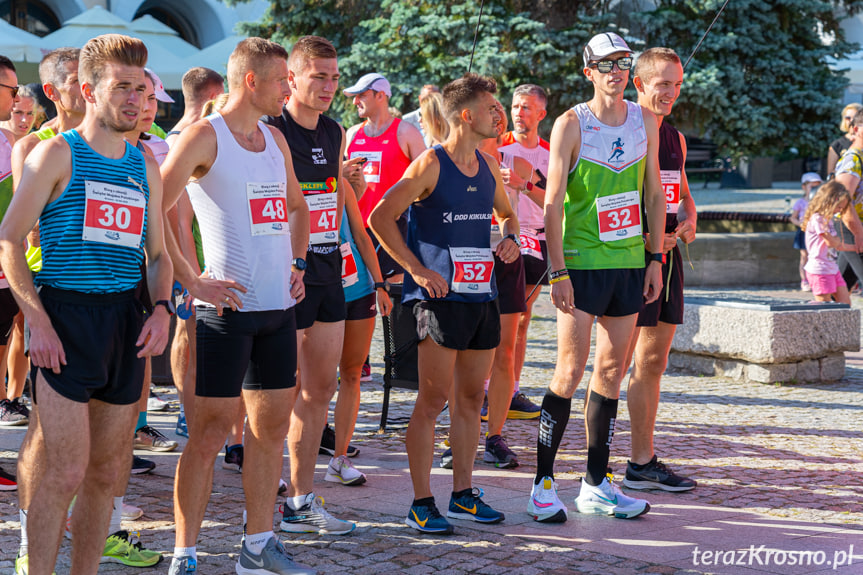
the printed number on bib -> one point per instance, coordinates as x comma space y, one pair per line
268, 211
4, 283
349, 266
530, 243
671, 186
113, 214
322, 219
472, 269
619, 216
372, 167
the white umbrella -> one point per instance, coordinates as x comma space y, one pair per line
78, 30
215, 56
19, 45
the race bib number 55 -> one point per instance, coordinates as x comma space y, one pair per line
472, 268
113, 214
619, 216
268, 208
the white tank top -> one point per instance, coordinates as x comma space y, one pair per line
241, 209
530, 215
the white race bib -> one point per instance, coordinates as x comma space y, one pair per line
372, 167
268, 208
349, 266
322, 218
619, 216
472, 269
671, 186
530, 245
113, 214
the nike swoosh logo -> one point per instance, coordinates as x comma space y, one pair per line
468, 509
421, 523
612, 501
258, 563
538, 504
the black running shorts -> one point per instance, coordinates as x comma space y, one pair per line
324, 303
510, 285
458, 325
362, 308
98, 333
614, 293
8, 311
254, 350
669, 307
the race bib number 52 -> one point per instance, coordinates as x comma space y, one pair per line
113, 214
472, 268
619, 216
268, 208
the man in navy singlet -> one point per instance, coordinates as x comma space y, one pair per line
98, 202
452, 191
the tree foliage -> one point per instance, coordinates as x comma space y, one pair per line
759, 85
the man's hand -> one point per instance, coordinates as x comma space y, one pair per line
352, 171
432, 282
685, 231
220, 293
298, 287
511, 178
155, 333
46, 350
652, 282
562, 296
507, 250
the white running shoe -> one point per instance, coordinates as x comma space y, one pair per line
313, 518
341, 470
130, 512
544, 505
607, 499
156, 403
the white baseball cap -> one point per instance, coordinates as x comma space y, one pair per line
603, 45
810, 177
161, 94
373, 81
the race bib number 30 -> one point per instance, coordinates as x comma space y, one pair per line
472, 269
619, 216
268, 208
671, 187
322, 218
113, 214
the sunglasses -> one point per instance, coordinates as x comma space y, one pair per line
13, 88
606, 66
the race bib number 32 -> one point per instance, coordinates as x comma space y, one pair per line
113, 214
472, 269
619, 216
268, 208
671, 186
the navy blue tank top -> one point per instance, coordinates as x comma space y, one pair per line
448, 232
93, 234
671, 173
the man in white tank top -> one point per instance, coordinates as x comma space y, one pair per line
253, 218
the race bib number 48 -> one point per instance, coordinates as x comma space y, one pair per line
472, 269
671, 186
619, 216
268, 208
113, 214
322, 218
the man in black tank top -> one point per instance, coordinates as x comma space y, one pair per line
658, 77
317, 147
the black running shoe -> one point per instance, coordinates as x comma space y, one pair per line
656, 475
328, 444
233, 457
141, 465
498, 453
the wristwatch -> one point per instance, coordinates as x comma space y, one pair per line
658, 258
167, 304
300, 264
512, 237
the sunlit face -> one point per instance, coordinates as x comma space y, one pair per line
527, 112
613, 82
659, 93
23, 117
149, 108
272, 87
116, 99
316, 84
485, 115
10, 81
366, 102
69, 92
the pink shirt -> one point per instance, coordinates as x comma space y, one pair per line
822, 258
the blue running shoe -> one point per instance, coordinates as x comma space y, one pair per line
182, 427
472, 507
427, 519
184, 565
182, 301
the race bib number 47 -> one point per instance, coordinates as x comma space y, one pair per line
322, 218
113, 214
671, 186
472, 269
619, 216
268, 208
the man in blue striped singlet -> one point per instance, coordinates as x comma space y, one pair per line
98, 202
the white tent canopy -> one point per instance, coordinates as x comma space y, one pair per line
19, 45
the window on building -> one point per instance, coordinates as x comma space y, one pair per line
30, 15
162, 11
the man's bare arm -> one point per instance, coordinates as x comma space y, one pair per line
687, 216
410, 140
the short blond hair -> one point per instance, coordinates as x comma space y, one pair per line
645, 66
109, 49
252, 55
845, 125
310, 48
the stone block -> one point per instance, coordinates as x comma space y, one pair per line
742, 259
810, 370
832, 367
771, 373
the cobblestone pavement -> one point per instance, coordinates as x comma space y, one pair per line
778, 466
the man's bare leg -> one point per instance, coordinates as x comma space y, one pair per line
471, 367
502, 379
642, 396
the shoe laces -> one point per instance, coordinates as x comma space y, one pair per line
152, 432
318, 507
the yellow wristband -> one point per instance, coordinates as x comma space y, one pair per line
558, 279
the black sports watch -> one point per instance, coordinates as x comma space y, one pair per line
299, 263
658, 258
167, 304
512, 237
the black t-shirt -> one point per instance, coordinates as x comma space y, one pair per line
315, 155
671, 159
841, 144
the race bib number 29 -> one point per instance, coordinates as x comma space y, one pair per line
472, 269
113, 214
619, 216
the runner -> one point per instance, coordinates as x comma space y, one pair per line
528, 110
599, 274
317, 146
451, 191
658, 76
252, 219
98, 201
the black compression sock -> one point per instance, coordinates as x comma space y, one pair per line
599, 420
462, 493
552, 424
429, 501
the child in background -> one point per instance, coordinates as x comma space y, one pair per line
822, 243
810, 183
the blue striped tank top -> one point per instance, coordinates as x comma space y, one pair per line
93, 234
